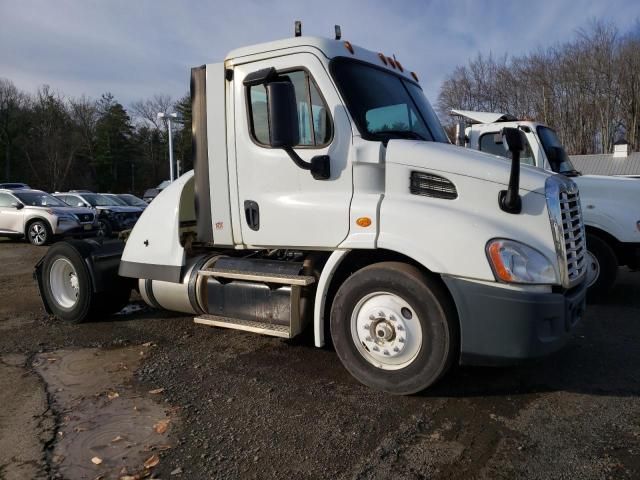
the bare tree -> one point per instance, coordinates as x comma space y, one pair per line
12, 102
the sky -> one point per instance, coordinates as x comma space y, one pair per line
137, 48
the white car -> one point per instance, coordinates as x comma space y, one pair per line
38, 217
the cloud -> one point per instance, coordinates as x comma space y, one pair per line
137, 48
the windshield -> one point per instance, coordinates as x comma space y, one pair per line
385, 105
116, 199
39, 199
132, 200
97, 200
557, 156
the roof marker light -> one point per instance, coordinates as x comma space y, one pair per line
398, 63
391, 62
349, 47
415, 77
383, 58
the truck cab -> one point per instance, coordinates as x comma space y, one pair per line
326, 195
610, 204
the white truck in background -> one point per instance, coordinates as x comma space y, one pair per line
610, 205
325, 193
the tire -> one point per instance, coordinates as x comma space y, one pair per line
66, 283
411, 316
104, 229
603, 259
38, 233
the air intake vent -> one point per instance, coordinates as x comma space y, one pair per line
430, 185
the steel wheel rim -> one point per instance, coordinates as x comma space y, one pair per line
102, 229
37, 234
593, 268
65, 286
386, 330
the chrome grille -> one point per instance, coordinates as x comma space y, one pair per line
565, 213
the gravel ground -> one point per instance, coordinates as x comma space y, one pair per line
245, 406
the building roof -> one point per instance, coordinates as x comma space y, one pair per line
607, 164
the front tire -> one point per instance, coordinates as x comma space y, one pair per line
394, 328
602, 268
39, 233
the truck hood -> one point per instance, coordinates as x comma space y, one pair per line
447, 158
622, 190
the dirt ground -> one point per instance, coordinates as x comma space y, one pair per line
150, 393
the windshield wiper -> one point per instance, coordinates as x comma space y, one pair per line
571, 173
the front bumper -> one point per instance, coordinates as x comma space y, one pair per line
502, 326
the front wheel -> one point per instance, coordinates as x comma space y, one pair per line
39, 233
602, 268
394, 328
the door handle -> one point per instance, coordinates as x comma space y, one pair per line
252, 214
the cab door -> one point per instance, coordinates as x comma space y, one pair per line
282, 205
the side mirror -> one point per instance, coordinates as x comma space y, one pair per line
17, 205
283, 115
509, 200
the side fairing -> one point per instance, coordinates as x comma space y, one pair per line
153, 249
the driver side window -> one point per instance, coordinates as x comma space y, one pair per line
6, 200
314, 121
492, 143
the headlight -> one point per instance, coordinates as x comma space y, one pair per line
514, 262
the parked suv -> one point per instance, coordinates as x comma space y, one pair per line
39, 217
112, 217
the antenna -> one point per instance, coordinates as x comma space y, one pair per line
298, 28
338, 32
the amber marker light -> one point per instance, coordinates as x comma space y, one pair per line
391, 62
364, 222
349, 47
415, 77
383, 58
501, 271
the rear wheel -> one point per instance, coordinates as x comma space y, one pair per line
68, 288
394, 328
602, 268
39, 233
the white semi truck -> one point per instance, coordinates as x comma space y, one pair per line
326, 194
611, 205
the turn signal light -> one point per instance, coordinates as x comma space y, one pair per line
363, 222
501, 271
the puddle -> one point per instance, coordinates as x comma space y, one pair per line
106, 429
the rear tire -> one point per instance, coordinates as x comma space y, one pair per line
605, 263
39, 233
394, 328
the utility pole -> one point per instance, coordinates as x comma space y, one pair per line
169, 117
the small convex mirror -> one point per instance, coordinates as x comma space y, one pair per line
512, 140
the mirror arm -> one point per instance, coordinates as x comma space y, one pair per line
296, 158
509, 199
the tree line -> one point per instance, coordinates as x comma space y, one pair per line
587, 89
55, 143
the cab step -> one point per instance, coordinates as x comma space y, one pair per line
254, 276
274, 330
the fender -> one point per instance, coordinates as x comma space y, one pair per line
335, 259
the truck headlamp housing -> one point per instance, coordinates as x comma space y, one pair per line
515, 262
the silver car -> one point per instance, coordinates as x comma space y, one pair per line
39, 217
